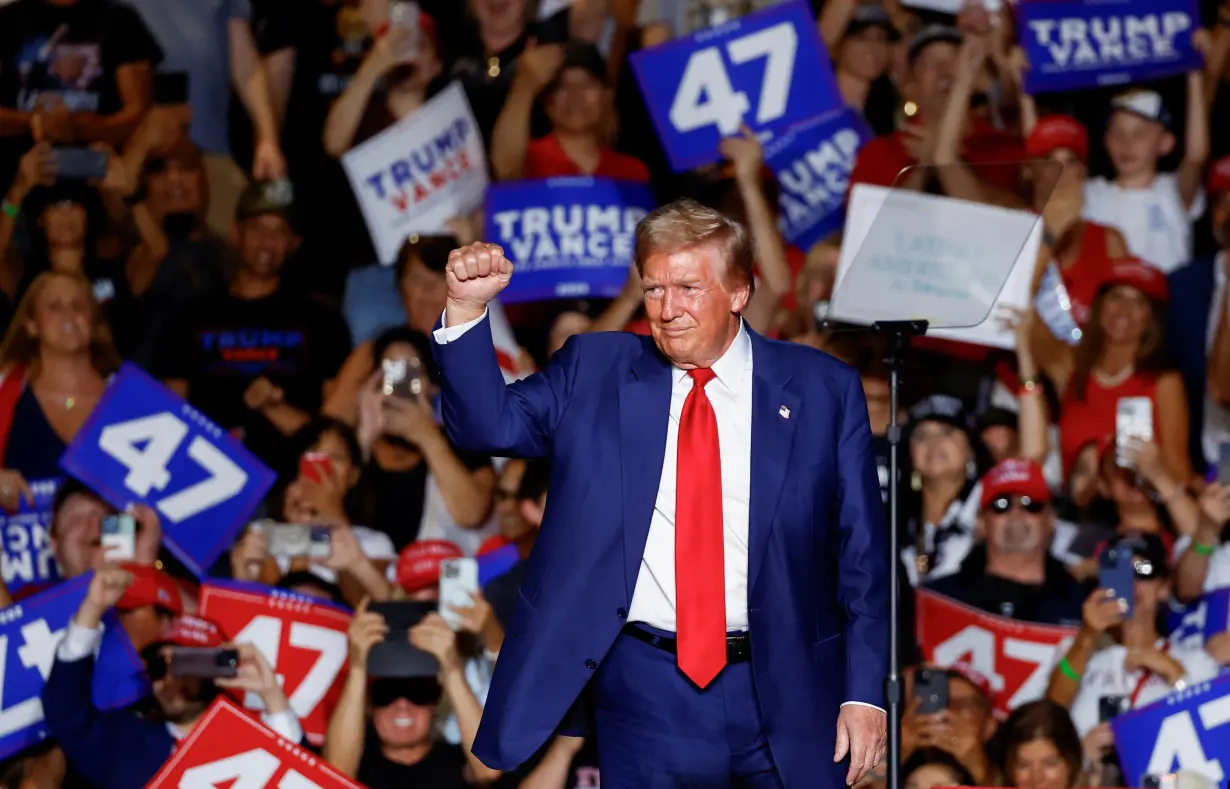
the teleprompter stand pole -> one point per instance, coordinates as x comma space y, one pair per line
897, 335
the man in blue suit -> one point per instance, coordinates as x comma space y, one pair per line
711, 576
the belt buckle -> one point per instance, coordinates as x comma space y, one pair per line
737, 648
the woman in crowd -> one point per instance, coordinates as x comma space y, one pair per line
930, 767
1041, 749
423, 487
54, 365
939, 507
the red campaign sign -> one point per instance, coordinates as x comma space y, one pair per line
305, 642
228, 748
1016, 657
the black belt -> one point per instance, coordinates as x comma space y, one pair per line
738, 646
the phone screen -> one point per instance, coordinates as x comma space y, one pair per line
1223, 463
80, 164
315, 466
1133, 424
119, 537
458, 585
207, 662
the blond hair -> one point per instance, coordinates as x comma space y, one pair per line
20, 348
686, 224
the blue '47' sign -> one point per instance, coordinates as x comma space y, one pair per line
1187, 730
768, 71
144, 444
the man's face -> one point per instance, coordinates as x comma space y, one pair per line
512, 525
175, 188
1135, 143
264, 244
931, 78
143, 625
180, 698
693, 310
402, 724
423, 295
76, 534
1018, 532
575, 106
64, 224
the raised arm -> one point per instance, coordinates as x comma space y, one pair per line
481, 414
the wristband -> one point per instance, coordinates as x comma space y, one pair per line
1066, 669
1203, 550
1028, 386
9, 210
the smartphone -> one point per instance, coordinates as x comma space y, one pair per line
1223, 463
170, 88
80, 164
1054, 307
206, 662
395, 656
931, 690
1111, 707
316, 466
1133, 424
119, 537
1116, 572
296, 539
403, 378
405, 15
458, 585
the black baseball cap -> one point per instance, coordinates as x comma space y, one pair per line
872, 15
582, 55
261, 198
932, 34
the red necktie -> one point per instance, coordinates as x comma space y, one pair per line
700, 579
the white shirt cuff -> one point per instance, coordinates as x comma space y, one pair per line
79, 642
446, 334
865, 704
285, 724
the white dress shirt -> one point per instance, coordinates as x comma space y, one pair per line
80, 643
730, 394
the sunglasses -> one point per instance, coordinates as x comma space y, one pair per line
1002, 504
419, 691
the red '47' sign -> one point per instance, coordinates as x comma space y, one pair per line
1016, 657
228, 747
304, 641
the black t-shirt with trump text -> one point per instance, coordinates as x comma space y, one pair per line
221, 345
442, 768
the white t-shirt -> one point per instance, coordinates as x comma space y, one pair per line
1153, 221
1218, 575
1104, 677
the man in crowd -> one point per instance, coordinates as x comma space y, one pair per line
530, 502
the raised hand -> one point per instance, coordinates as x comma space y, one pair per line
476, 273
106, 588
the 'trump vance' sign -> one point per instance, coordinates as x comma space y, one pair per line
1075, 44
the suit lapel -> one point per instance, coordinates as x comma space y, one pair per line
644, 411
775, 412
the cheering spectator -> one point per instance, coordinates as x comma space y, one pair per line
939, 508
1012, 573
963, 728
119, 750
862, 35
76, 529
55, 361
1198, 329
73, 70
571, 79
388, 87
1206, 566
1153, 210
1041, 749
1140, 667
396, 749
930, 767
529, 502
257, 358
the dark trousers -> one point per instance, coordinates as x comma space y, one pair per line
657, 730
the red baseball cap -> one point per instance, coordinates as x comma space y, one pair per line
191, 631
1057, 131
150, 586
1219, 177
1015, 476
418, 566
1136, 273
973, 676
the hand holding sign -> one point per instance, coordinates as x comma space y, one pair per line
476, 274
14, 490
745, 153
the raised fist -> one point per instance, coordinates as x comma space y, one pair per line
476, 273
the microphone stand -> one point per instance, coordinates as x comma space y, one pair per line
897, 335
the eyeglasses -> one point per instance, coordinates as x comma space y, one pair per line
419, 691
1002, 504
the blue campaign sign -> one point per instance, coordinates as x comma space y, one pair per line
567, 237
1074, 44
144, 444
1200, 620
1184, 731
767, 70
29, 633
27, 559
813, 162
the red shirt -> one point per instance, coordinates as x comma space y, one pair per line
1084, 276
1083, 421
544, 158
995, 154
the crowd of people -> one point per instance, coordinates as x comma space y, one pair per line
222, 250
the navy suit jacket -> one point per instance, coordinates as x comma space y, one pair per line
1187, 326
818, 593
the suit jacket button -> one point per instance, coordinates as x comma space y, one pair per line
591, 664
622, 613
